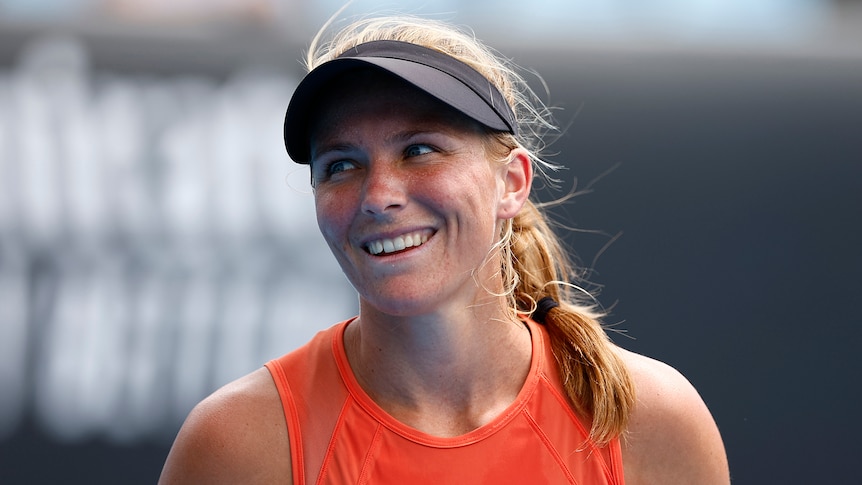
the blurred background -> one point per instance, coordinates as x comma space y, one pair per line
156, 242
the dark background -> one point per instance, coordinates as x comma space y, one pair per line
737, 196
733, 182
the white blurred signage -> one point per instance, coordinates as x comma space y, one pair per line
155, 243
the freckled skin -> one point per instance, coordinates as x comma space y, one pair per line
411, 164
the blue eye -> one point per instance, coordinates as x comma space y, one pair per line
340, 166
418, 149
322, 171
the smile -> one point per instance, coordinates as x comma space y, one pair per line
399, 243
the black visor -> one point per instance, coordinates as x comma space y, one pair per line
438, 74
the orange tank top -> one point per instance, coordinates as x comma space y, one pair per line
338, 435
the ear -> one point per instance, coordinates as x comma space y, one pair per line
517, 180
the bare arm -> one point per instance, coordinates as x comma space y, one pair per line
672, 437
237, 435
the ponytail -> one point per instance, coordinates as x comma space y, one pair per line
594, 376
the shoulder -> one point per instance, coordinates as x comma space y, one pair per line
672, 437
236, 435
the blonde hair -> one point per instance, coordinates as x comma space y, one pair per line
534, 263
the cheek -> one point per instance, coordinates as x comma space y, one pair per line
333, 215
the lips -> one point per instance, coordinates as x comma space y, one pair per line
398, 243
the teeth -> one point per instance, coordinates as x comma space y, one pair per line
396, 244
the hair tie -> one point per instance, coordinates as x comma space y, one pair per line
543, 306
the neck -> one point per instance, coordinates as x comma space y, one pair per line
444, 373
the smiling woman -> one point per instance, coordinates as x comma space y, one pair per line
472, 359
389, 164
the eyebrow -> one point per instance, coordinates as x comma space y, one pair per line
393, 138
405, 135
331, 147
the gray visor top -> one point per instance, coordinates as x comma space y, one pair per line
440, 75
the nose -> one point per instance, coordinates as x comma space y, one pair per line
383, 190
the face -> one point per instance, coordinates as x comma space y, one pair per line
406, 197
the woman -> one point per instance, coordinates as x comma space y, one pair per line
471, 360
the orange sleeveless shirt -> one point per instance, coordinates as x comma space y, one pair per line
338, 435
